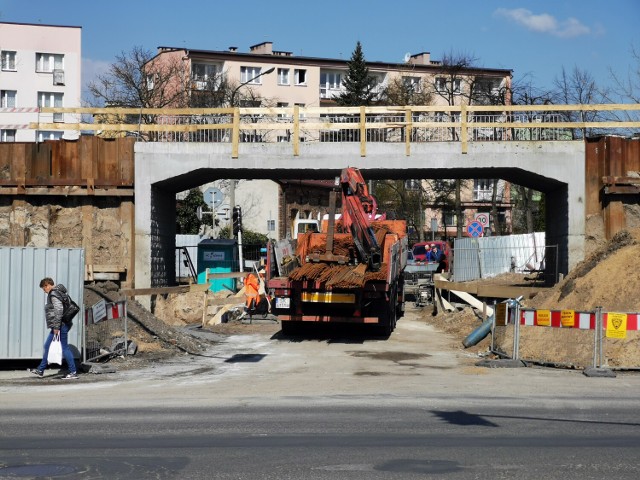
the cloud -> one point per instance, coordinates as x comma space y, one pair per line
544, 23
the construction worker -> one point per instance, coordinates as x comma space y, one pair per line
251, 288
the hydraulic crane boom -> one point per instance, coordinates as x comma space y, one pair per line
358, 207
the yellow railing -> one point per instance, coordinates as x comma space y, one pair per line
401, 124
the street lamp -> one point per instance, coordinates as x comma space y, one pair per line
235, 90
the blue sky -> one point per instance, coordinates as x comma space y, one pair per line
535, 38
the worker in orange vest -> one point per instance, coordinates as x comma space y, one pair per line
251, 287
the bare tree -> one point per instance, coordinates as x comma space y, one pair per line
401, 92
626, 88
136, 80
627, 85
578, 87
528, 210
405, 199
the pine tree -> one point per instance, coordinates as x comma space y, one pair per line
358, 83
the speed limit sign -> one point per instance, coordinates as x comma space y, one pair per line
482, 219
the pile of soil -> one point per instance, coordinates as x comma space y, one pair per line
155, 338
608, 277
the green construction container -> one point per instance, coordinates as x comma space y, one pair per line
219, 256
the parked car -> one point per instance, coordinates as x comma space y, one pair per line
420, 250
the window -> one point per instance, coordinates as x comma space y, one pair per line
300, 76
330, 84
47, 135
411, 84
48, 62
204, 75
8, 135
443, 85
482, 190
283, 76
51, 99
8, 98
413, 185
8, 60
151, 81
271, 225
450, 219
282, 105
250, 74
301, 105
203, 71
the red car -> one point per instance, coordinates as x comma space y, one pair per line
420, 250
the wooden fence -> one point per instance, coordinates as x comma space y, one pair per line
89, 166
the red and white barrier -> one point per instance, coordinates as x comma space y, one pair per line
573, 319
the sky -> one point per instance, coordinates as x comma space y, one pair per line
535, 39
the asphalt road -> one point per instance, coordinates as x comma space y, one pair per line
315, 407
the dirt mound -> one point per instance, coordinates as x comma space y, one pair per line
154, 337
608, 278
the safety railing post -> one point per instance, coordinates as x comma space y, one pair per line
601, 342
126, 321
517, 356
595, 338
493, 327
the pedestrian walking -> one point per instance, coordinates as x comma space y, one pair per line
58, 301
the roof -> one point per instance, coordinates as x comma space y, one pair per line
289, 59
39, 25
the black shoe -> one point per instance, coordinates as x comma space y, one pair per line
70, 376
36, 372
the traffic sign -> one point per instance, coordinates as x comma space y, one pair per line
213, 197
475, 229
482, 218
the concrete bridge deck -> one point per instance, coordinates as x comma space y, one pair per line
556, 168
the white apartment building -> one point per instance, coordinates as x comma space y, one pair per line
40, 67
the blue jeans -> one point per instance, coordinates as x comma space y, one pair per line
66, 351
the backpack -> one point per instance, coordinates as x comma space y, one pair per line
71, 309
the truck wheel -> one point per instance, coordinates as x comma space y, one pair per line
389, 320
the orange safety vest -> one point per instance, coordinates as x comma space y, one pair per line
251, 287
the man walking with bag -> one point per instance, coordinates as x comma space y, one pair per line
56, 312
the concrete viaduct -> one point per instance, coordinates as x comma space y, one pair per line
556, 168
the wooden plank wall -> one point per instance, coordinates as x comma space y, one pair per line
87, 162
615, 159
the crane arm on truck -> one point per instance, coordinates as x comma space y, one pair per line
358, 207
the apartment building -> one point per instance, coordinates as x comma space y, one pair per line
41, 67
280, 78
267, 77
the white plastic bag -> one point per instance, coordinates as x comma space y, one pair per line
55, 351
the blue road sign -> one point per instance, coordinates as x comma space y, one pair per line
475, 229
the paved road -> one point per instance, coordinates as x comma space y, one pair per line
263, 406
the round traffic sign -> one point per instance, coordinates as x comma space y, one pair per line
475, 229
482, 219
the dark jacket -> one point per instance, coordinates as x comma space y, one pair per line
53, 309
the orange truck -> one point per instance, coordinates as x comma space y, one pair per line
351, 272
